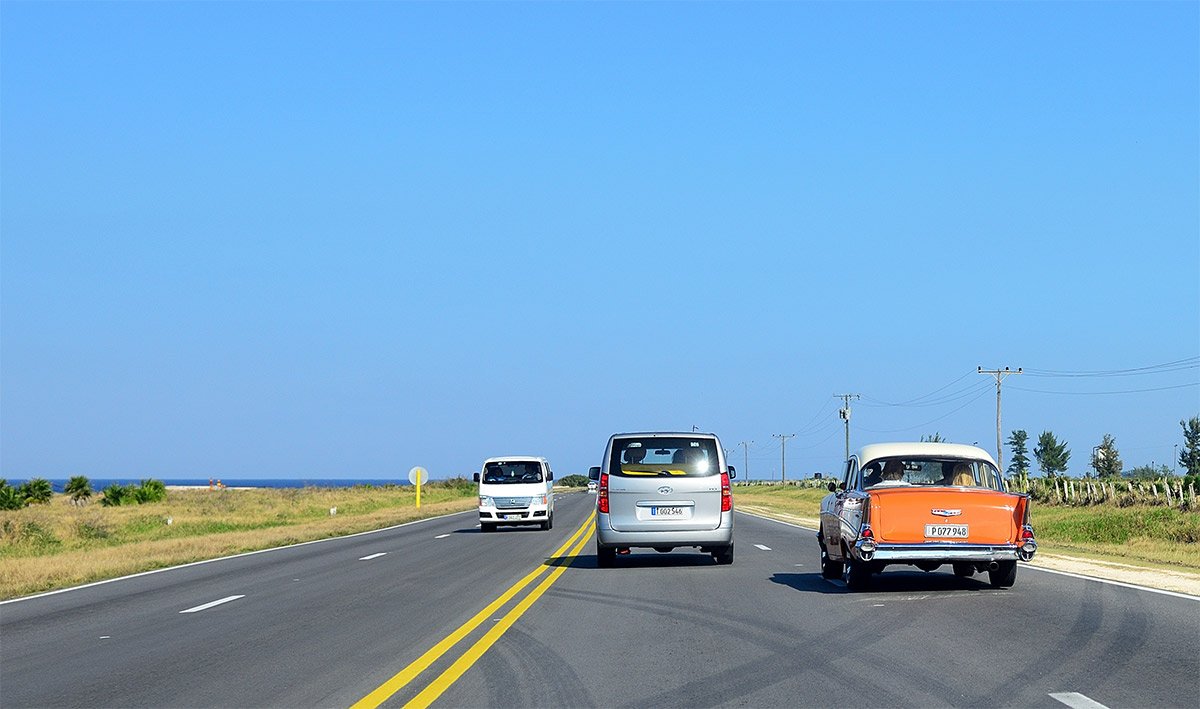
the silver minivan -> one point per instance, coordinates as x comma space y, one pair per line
664, 490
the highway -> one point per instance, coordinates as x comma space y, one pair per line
435, 612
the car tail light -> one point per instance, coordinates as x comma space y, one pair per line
866, 533
726, 494
1026, 532
602, 494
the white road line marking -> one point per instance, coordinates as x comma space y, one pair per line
206, 606
441, 536
372, 556
105, 637
1077, 700
764, 548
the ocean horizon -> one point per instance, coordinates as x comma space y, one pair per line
98, 484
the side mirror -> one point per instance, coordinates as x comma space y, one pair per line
475, 477
594, 472
832, 487
732, 472
549, 475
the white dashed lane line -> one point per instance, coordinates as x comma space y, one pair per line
441, 536
206, 606
1077, 700
763, 547
372, 556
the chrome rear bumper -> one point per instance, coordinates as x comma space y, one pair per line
945, 552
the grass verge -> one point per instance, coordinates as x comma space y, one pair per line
58, 545
1159, 537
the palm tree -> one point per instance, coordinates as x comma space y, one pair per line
11, 498
38, 490
79, 488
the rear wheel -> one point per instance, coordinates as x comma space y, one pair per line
963, 569
723, 555
830, 569
1005, 575
605, 556
858, 575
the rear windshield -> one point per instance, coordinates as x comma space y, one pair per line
930, 472
514, 471
667, 457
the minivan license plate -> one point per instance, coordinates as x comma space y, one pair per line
945, 531
667, 512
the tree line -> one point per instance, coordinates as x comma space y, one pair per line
1053, 455
38, 491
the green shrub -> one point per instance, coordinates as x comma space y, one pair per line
118, 494
11, 498
37, 491
574, 481
150, 491
79, 488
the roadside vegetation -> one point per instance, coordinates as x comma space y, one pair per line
68, 541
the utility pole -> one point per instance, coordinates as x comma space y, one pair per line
999, 374
746, 450
844, 413
783, 453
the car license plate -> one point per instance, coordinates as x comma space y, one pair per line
668, 511
945, 531
513, 516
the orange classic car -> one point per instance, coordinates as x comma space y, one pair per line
925, 505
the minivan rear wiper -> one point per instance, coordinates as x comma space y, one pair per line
664, 472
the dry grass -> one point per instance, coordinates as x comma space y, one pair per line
1154, 536
44, 547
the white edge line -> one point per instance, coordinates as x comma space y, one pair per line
1176, 594
206, 606
1077, 700
235, 556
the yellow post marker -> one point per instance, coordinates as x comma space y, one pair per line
416, 476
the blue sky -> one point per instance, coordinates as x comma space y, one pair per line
339, 240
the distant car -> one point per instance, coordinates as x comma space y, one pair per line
515, 490
661, 491
923, 504
593, 479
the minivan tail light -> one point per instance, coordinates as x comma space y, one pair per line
726, 494
602, 494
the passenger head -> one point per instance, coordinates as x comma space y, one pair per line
893, 470
962, 475
635, 455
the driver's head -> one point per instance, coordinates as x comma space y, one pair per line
635, 455
893, 470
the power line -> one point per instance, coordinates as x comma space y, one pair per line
1103, 393
1175, 366
939, 418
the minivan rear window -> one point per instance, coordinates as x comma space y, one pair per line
516, 471
665, 457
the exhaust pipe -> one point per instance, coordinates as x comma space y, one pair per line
992, 566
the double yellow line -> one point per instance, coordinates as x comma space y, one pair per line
468, 658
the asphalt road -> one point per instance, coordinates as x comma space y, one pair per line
327, 624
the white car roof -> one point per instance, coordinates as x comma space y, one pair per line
506, 458
875, 451
664, 434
